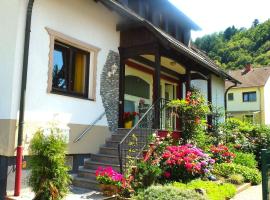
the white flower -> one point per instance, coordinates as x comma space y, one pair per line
154, 135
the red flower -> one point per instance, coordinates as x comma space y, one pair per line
167, 174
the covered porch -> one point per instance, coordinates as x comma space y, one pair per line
154, 65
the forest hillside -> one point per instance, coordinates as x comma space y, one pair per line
233, 48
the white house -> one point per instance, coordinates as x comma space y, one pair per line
90, 57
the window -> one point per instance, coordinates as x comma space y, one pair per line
248, 118
230, 96
72, 66
70, 70
249, 96
136, 86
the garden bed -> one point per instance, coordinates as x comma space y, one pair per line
187, 165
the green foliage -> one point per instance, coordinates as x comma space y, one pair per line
234, 48
146, 174
214, 191
193, 109
167, 192
49, 177
246, 137
245, 159
236, 179
249, 174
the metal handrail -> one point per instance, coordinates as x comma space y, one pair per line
157, 106
139, 121
89, 128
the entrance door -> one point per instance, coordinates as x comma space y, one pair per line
168, 91
137, 95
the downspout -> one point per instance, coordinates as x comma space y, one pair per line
225, 97
22, 99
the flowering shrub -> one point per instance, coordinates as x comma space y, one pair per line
222, 154
109, 177
129, 116
185, 162
193, 109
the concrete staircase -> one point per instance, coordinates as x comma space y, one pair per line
107, 156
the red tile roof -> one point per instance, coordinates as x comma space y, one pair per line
254, 78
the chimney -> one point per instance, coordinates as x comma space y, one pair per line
247, 68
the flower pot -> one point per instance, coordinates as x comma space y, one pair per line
128, 124
109, 190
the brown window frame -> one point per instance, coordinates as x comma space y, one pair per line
70, 65
91, 50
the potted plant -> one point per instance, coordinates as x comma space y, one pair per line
128, 119
110, 181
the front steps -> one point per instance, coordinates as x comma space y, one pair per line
107, 156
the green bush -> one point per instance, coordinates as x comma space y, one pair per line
214, 190
246, 137
49, 177
236, 179
146, 174
166, 193
245, 159
249, 174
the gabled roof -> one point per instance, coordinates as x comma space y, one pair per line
169, 40
254, 78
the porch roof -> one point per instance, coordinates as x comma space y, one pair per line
169, 41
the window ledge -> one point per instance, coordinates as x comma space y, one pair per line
71, 95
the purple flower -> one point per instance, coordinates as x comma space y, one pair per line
203, 163
211, 161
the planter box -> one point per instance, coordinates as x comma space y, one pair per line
176, 135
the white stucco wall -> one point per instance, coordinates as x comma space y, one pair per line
266, 102
85, 20
12, 20
218, 90
201, 85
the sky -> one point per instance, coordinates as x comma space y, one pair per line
217, 15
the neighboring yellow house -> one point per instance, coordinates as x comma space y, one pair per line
250, 101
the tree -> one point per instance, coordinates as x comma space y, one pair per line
233, 47
229, 32
255, 23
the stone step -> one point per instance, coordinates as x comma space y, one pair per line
136, 131
113, 151
93, 165
87, 173
105, 158
112, 143
119, 137
85, 183
108, 150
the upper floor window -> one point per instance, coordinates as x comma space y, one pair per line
230, 96
72, 67
249, 96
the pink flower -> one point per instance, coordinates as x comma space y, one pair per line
167, 174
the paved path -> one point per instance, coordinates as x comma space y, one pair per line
75, 194
252, 193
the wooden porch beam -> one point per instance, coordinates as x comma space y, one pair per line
209, 98
121, 91
152, 65
188, 80
156, 88
134, 51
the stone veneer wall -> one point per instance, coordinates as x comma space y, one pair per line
109, 89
